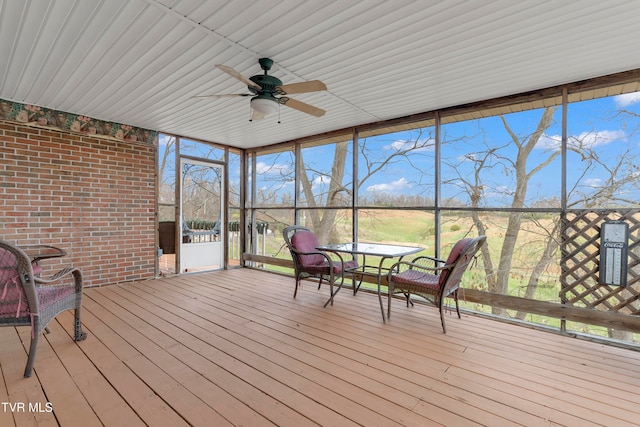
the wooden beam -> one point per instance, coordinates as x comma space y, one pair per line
261, 259
588, 316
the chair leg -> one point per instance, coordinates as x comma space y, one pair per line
295, 292
79, 334
444, 328
32, 353
408, 297
331, 293
455, 297
440, 300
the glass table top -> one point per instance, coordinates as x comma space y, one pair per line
375, 249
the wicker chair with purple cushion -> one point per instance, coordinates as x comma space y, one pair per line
311, 263
432, 278
26, 299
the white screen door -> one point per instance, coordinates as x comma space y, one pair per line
202, 216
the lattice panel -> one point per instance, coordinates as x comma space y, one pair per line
581, 256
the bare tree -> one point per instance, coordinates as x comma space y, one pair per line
621, 177
323, 221
475, 187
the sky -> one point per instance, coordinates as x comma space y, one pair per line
596, 127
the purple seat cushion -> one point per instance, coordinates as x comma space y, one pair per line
454, 255
421, 280
306, 241
13, 301
418, 279
337, 267
457, 250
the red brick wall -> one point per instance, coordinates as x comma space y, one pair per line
92, 197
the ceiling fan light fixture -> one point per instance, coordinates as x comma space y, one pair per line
264, 105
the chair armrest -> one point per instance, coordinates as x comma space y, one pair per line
419, 263
421, 260
324, 253
74, 271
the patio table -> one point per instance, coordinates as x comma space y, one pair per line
384, 251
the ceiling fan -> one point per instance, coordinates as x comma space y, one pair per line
267, 92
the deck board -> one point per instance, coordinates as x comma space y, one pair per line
234, 348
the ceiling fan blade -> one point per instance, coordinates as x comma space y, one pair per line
301, 106
303, 87
224, 95
237, 75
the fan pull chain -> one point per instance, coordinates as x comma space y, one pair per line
278, 113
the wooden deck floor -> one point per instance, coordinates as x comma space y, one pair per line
234, 348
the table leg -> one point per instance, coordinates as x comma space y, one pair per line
334, 294
379, 291
353, 277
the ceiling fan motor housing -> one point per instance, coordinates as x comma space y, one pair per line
265, 101
268, 85
265, 63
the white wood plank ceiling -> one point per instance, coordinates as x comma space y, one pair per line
141, 62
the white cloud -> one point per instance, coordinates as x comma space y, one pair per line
586, 140
593, 182
550, 142
320, 181
626, 99
165, 139
421, 145
503, 189
394, 186
263, 168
